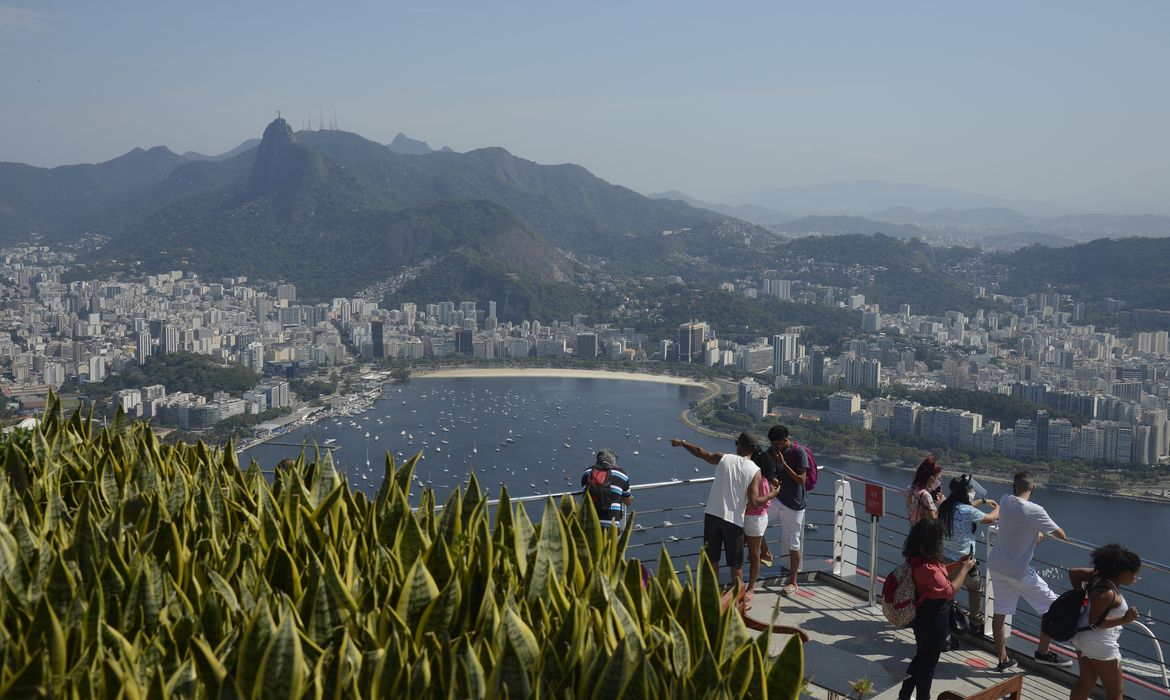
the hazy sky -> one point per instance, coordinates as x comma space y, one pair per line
1063, 101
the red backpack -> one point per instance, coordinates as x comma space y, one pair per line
810, 477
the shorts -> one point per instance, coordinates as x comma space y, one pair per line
1008, 590
718, 534
1093, 644
791, 527
755, 525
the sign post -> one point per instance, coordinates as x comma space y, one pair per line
875, 505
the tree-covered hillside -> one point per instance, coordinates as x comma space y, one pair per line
1131, 269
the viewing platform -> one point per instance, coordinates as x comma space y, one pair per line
848, 637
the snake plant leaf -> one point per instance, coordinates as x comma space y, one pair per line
261, 629
680, 650
418, 591
736, 635
451, 522
411, 541
520, 636
742, 669
626, 624
282, 670
473, 683
706, 673
224, 589
439, 561
618, 670
509, 677
709, 605
787, 672
183, 682
325, 481
420, 678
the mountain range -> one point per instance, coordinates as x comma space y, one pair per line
335, 212
986, 227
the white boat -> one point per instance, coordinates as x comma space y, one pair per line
635, 452
330, 441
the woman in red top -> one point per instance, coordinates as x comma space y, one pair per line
935, 584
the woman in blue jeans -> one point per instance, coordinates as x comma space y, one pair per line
935, 583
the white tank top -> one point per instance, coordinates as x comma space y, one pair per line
1109, 635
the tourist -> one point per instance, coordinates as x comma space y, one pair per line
961, 518
792, 466
608, 487
727, 501
755, 519
1098, 651
935, 584
1022, 524
925, 491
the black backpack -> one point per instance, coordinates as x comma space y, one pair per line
1062, 621
600, 492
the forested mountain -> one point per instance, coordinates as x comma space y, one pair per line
40, 200
903, 272
1131, 269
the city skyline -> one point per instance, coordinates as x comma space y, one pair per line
1059, 103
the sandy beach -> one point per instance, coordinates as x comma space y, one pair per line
551, 372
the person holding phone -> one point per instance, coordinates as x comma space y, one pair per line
935, 583
961, 518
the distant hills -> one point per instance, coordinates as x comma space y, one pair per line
988, 227
864, 197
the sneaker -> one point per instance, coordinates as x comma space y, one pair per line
1005, 665
1051, 658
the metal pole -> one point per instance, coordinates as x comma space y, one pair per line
873, 558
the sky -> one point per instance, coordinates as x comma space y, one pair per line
1065, 102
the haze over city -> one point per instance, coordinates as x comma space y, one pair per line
1058, 103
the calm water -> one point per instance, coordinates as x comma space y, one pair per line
537, 435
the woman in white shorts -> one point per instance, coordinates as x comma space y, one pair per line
1096, 642
755, 523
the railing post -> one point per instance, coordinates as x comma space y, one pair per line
844, 530
874, 539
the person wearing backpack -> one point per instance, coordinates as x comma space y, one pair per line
795, 471
1099, 627
935, 584
608, 487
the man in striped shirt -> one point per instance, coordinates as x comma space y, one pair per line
608, 487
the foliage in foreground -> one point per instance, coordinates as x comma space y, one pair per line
136, 569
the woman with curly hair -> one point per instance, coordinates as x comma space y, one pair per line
1096, 642
935, 584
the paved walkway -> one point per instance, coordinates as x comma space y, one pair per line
847, 643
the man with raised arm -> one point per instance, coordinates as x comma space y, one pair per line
1022, 524
735, 474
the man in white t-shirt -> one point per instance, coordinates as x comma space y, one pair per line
723, 516
1022, 524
